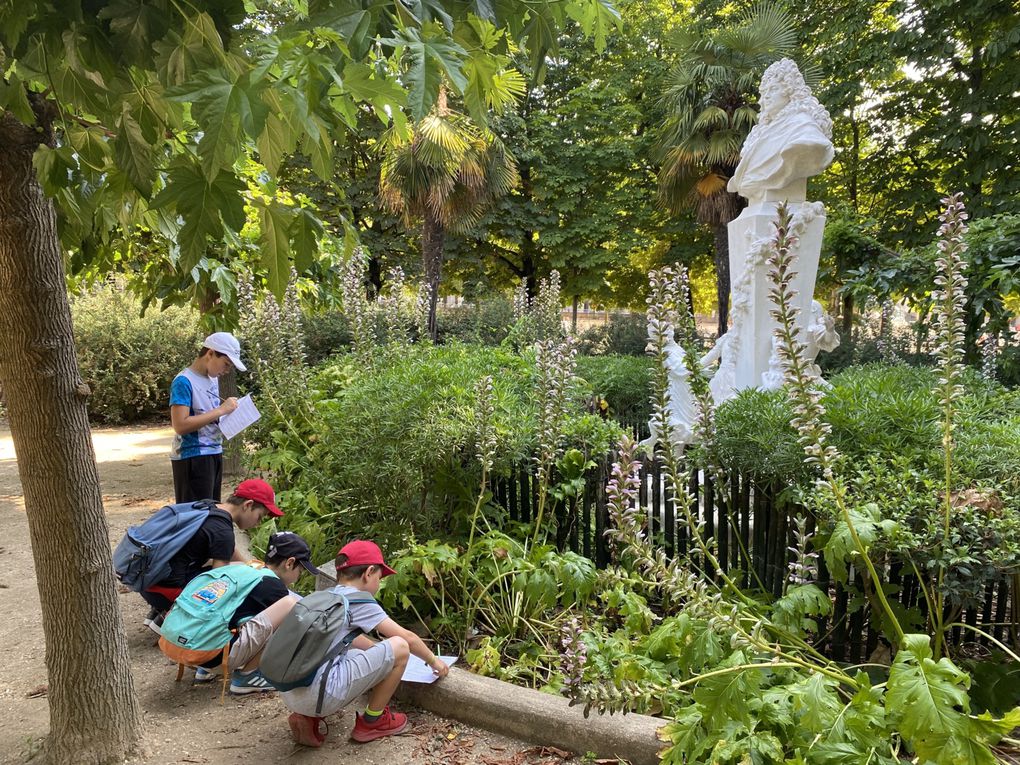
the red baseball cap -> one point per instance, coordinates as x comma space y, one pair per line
259, 491
363, 553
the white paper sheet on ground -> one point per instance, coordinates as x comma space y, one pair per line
239, 419
417, 671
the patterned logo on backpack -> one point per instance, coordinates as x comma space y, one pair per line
212, 592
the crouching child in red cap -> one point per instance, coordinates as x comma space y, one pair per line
370, 667
160, 556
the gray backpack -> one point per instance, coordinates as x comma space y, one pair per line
304, 641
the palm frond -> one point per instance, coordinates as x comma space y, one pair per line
711, 118
710, 184
443, 133
744, 117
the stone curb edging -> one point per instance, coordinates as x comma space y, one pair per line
530, 715
537, 717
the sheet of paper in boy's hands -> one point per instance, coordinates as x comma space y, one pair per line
239, 419
417, 671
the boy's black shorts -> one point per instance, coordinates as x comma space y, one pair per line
198, 478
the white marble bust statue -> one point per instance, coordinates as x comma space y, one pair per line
790, 143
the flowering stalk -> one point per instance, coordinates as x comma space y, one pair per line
622, 494
421, 313
485, 438
391, 306
950, 323
667, 307
573, 658
884, 341
704, 426
556, 363
802, 391
989, 352
521, 304
546, 308
355, 302
803, 569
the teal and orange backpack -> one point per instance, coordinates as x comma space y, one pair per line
197, 627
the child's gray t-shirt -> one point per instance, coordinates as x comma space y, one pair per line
364, 616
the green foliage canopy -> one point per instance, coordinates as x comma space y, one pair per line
156, 104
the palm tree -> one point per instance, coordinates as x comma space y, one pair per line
710, 100
446, 176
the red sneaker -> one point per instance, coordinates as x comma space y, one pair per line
388, 724
307, 730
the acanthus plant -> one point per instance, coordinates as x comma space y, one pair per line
739, 678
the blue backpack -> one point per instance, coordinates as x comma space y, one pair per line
142, 558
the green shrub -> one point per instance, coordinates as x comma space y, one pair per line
487, 322
988, 435
387, 446
623, 381
1007, 366
129, 359
325, 333
625, 334
884, 412
887, 410
754, 437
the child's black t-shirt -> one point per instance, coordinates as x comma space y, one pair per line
266, 592
214, 539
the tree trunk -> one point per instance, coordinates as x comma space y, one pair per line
94, 715
848, 317
528, 249
573, 316
722, 276
433, 237
231, 447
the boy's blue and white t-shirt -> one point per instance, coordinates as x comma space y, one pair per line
200, 394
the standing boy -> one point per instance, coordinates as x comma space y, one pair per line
253, 500
195, 410
375, 668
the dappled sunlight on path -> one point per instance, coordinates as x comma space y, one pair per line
134, 466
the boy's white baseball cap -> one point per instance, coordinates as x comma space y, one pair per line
227, 344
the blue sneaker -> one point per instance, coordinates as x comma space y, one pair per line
203, 675
249, 682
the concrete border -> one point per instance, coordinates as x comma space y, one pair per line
530, 715
540, 718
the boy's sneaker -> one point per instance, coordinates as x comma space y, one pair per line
307, 730
154, 620
388, 724
252, 682
203, 675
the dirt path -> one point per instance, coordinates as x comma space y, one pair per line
184, 723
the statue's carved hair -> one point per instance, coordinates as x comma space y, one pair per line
785, 74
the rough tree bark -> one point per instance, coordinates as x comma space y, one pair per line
717, 210
722, 277
94, 714
433, 239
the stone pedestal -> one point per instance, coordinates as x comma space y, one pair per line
754, 224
